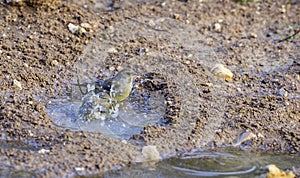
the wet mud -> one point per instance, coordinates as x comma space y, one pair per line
174, 44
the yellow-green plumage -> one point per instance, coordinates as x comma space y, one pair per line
103, 101
119, 87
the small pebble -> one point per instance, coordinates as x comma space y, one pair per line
112, 50
217, 27
76, 29
283, 9
208, 84
176, 16
43, 151
259, 135
151, 23
112, 68
220, 20
253, 35
78, 169
220, 71
244, 137
150, 153
86, 26
282, 92
30, 133
72, 28
54, 62
119, 68
275, 172
143, 51
187, 62
189, 55
17, 84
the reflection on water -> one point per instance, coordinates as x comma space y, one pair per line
211, 163
140, 109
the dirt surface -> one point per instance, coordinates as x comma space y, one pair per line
179, 41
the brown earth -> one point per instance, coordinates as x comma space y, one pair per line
180, 41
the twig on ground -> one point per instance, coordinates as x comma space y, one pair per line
289, 37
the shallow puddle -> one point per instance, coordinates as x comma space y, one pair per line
140, 109
211, 163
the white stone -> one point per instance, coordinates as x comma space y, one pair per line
43, 151
17, 84
79, 169
72, 28
217, 27
112, 50
220, 71
150, 153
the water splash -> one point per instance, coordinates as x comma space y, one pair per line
129, 117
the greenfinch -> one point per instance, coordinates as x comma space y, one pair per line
102, 101
118, 87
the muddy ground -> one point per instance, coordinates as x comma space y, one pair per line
179, 41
